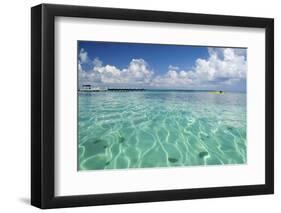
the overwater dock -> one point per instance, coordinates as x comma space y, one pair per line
111, 90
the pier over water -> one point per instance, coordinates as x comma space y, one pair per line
89, 88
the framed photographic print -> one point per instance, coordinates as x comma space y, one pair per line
139, 106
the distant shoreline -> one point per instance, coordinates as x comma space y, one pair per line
152, 90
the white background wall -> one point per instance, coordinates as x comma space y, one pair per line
15, 105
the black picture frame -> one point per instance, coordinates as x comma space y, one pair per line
43, 102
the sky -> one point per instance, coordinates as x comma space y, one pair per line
161, 66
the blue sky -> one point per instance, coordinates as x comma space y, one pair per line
120, 54
112, 64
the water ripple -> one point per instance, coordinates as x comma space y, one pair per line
160, 129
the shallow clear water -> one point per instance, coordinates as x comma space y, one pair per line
118, 130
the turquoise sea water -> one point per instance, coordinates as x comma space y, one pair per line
143, 129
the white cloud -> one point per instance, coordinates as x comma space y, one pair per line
137, 72
97, 62
223, 63
107, 74
225, 66
174, 79
171, 67
83, 56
